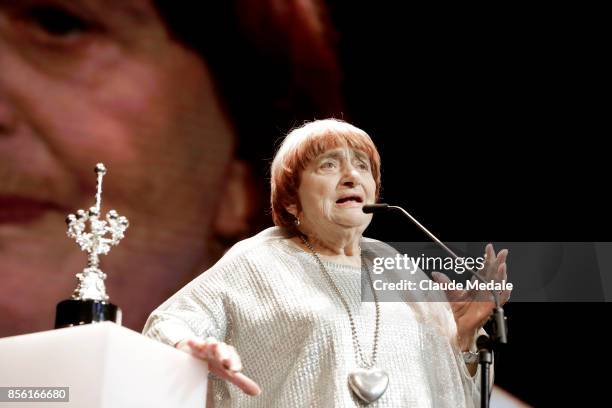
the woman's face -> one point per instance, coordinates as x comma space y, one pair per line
88, 81
334, 188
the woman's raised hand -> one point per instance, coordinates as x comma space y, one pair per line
223, 361
472, 308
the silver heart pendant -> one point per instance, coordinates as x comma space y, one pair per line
368, 383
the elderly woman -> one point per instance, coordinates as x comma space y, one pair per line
287, 302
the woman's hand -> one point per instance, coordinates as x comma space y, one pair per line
223, 361
472, 308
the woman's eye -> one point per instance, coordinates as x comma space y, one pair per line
363, 166
328, 165
57, 22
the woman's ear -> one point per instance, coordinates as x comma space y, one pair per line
237, 202
293, 210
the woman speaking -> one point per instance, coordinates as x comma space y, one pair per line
280, 315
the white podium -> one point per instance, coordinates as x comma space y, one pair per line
104, 365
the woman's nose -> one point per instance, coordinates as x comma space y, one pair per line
350, 176
348, 183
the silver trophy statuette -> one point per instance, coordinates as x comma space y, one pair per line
89, 301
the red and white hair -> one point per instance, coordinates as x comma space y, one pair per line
300, 147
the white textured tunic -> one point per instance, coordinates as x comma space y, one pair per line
270, 300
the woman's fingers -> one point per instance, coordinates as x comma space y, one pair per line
240, 380
199, 348
489, 263
502, 271
213, 350
504, 296
501, 256
223, 360
489, 253
492, 262
196, 346
452, 295
228, 357
440, 277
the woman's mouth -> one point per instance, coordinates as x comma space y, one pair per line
23, 210
349, 201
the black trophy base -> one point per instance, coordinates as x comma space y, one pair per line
72, 312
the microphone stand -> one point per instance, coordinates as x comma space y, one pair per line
486, 345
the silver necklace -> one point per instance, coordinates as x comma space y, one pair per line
367, 382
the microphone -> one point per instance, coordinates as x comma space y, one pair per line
498, 313
373, 208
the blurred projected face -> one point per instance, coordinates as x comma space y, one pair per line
87, 81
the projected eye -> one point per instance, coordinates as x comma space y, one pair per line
53, 25
56, 22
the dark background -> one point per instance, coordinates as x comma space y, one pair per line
490, 126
